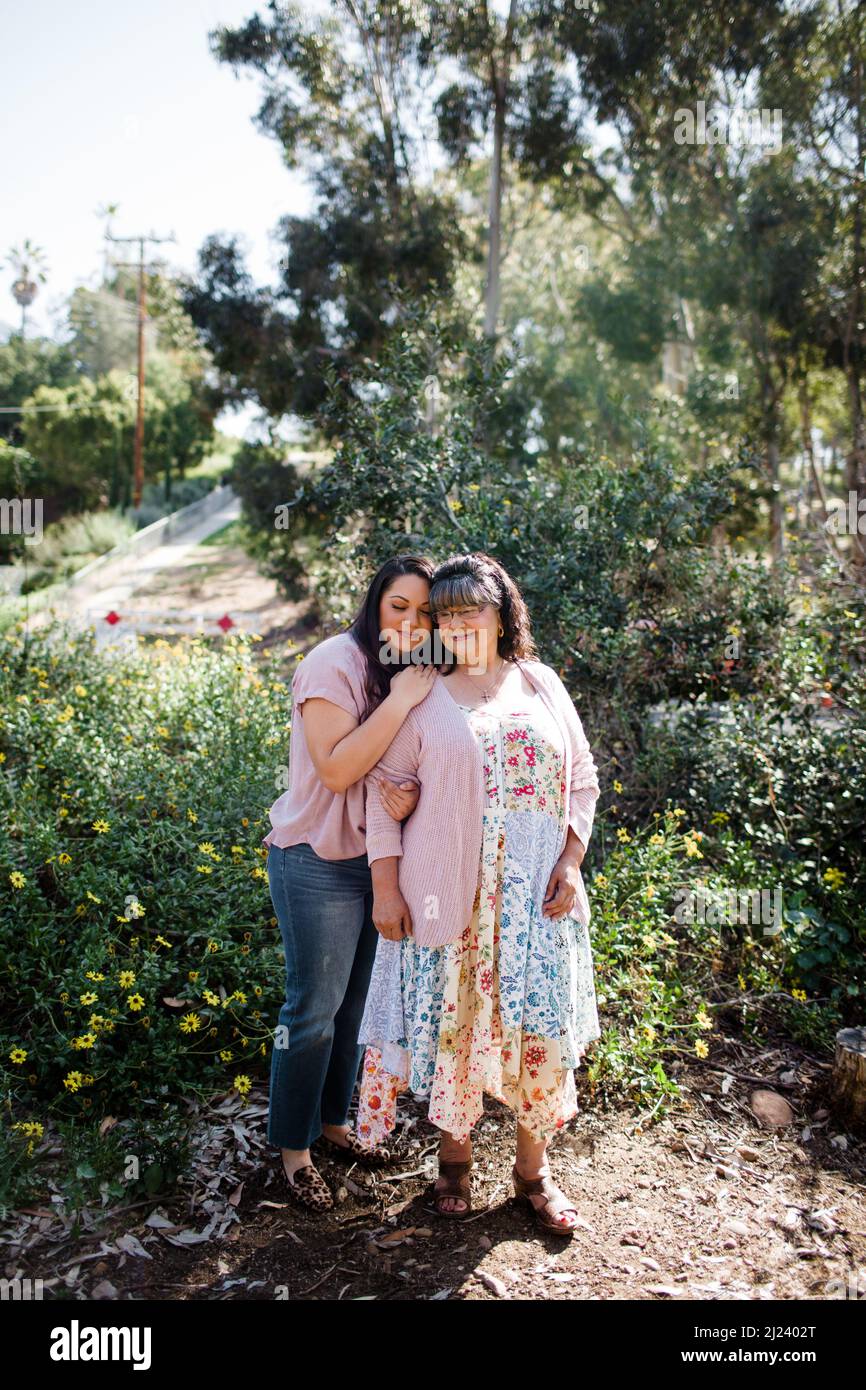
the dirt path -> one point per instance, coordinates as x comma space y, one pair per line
703, 1205
192, 587
219, 577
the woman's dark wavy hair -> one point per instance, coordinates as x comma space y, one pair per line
365, 627
463, 580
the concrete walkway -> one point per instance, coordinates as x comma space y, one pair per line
115, 588
113, 591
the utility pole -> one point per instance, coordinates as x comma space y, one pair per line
138, 454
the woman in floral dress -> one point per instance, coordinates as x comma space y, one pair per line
509, 1007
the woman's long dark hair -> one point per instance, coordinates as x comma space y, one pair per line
365, 627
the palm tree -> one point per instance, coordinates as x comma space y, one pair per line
28, 263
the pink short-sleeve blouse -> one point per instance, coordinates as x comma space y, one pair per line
332, 823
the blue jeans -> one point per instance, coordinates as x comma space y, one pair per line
325, 911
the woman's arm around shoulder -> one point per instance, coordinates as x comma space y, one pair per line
398, 764
329, 697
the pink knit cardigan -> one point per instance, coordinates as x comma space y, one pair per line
439, 846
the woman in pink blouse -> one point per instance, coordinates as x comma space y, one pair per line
483, 979
347, 705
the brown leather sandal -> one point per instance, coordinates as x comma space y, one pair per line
526, 1188
353, 1151
458, 1184
307, 1187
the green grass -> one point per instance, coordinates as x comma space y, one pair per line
230, 534
219, 461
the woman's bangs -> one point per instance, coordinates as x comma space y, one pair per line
457, 591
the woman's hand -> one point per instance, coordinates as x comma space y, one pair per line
399, 801
412, 685
562, 886
391, 916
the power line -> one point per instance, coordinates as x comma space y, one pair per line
72, 405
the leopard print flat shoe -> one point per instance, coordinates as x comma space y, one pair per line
353, 1151
308, 1188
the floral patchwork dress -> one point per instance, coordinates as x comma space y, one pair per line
509, 1007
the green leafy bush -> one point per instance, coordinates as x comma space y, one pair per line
666, 984
139, 958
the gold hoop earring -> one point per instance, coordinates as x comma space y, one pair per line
501, 632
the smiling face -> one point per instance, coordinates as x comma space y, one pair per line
471, 632
404, 612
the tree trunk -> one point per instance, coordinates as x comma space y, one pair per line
777, 510
855, 467
849, 1077
771, 441
854, 336
499, 74
809, 451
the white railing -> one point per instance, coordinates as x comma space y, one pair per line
121, 556
123, 629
